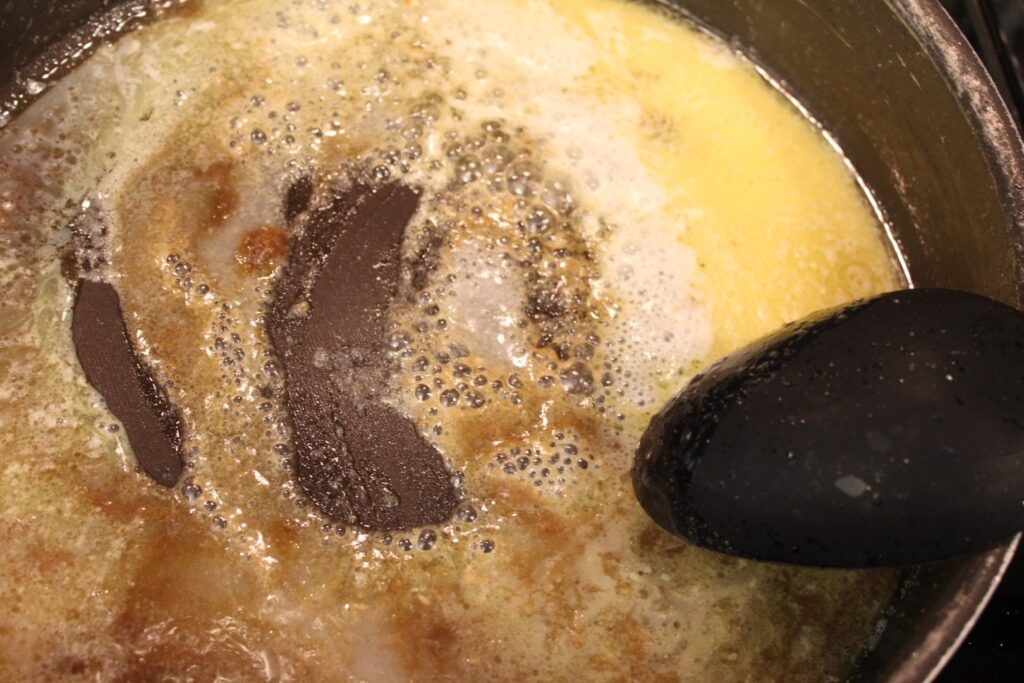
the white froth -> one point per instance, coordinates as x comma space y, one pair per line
486, 302
592, 136
543, 73
661, 321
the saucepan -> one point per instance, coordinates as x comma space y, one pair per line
901, 93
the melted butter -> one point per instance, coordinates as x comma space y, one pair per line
696, 210
765, 201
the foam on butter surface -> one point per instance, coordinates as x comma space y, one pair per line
611, 200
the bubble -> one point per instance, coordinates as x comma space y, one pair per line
539, 219
556, 195
522, 178
584, 351
468, 169
389, 499
300, 309
449, 398
578, 379
422, 392
495, 159
427, 539
191, 491
257, 136
487, 545
398, 341
412, 132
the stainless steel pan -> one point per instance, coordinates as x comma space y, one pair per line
905, 98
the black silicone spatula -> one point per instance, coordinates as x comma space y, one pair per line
887, 432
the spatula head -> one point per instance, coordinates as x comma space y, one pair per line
887, 432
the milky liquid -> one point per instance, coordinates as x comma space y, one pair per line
610, 201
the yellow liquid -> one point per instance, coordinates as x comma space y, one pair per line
712, 212
780, 228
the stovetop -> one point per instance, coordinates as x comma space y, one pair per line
994, 650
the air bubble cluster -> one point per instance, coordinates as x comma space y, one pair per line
497, 216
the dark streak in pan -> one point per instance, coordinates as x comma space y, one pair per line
113, 367
356, 457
